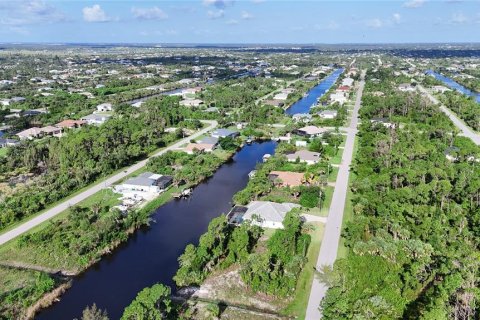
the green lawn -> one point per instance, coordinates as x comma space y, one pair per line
3, 152
299, 304
332, 177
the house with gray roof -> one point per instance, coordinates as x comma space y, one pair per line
223, 133
96, 118
306, 156
267, 214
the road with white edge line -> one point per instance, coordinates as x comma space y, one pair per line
333, 227
52, 212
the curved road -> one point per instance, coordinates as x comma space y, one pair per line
333, 227
52, 212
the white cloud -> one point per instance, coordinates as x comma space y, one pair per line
216, 14
25, 12
397, 18
459, 18
374, 23
232, 22
414, 3
246, 15
95, 14
154, 13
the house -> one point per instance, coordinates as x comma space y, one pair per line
347, 82
440, 89
146, 182
286, 178
31, 133
383, 121
17, 99
300, 143
303, 117
70, 124
281, 96
406, 87
202, 147
8, 143
268, 214
51, 131
306, 156
223, 133
311, 131
328, 114
191, 102
209, 140
137, 104
343, 89
5, 102
338, 97
273, 102
96, 118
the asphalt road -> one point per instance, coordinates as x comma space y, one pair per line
466, 130
50, 213
333, 227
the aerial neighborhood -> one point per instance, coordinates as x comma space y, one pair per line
259, 181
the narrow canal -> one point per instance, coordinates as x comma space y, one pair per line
454, 85
303, 105
150, 256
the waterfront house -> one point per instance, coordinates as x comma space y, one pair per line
306, 156
147, 182
338, 97
96, 118
302, 117
209, 140
286, 178
328, 114
267, 214
273, 102
223, 133
199, 147
8, 143
311, 131
105, 107
281, 96
440, 89
347, 82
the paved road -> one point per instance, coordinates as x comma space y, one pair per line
94, 189
333, 227
466, 130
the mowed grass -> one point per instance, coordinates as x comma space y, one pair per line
299, 304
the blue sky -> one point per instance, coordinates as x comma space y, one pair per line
240, 21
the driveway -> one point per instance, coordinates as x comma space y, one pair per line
52, 212
333, 227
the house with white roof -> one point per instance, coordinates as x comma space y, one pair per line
328, 114
147, 182
96, 118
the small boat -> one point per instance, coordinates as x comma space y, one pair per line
249, 140
187, 192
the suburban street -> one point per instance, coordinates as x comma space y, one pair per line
466, 130
333, 227
52, 212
